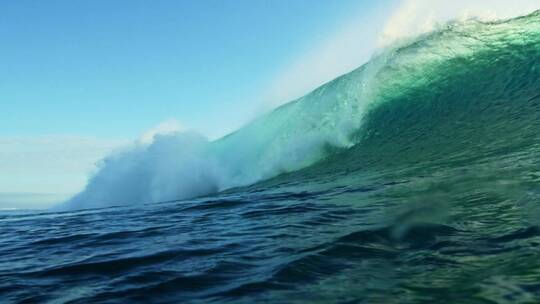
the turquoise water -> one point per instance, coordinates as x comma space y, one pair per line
413, 179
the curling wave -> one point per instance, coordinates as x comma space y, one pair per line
464, 90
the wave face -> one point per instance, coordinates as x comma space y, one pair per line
414, 179
464, 91
467, 92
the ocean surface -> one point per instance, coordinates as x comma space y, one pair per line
429, 193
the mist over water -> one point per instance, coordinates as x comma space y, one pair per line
170, 167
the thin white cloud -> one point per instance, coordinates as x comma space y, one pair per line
56, 165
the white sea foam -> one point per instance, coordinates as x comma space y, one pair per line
171, 166
414, 17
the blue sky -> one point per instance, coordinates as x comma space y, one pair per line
81, 78
115, 68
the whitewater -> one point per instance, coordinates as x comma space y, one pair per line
414, 178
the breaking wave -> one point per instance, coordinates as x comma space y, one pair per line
463, 83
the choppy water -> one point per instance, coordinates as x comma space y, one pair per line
458, 235
438, 201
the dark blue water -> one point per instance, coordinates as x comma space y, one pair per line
456, 235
